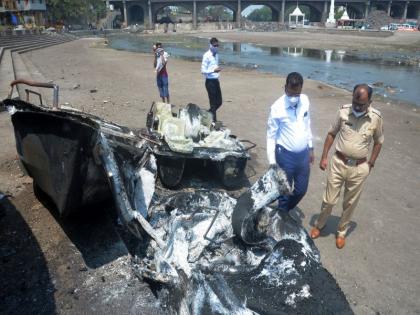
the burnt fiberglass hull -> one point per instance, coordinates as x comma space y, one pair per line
78, 160
207, 253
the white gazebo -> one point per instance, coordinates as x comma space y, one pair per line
345, 21
345, 16
296, 14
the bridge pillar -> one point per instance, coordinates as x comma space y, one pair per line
283, 7
125, 13
388, 11
405, 10
194, 14
149, 7
238, 15
324, 12
367, 9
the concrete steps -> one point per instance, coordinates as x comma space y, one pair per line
13, 66
7, 74
27, 69
21, 72
12, 44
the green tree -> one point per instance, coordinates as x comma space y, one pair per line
338, 13
260, 15
218, 12
79, 11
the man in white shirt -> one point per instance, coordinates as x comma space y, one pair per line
289, 139
210, 69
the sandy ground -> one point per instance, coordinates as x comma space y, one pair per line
371, 41
377, 270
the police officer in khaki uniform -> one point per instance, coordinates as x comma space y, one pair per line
357, 124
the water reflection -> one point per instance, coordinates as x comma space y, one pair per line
275, 51
293, 51
328, 54
236, 47
244, 48
336, 67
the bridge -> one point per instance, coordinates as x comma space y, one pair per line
146, 11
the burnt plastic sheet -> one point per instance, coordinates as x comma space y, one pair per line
202, 271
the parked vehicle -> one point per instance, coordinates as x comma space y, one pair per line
407, 27
401, 27
19, 28
362, 25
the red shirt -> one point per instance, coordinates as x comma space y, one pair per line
163, 72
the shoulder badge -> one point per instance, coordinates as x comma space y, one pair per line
377, 112
346, 108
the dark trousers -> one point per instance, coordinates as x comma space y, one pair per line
215, 95
297, 169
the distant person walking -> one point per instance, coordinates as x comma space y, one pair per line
210, 69
289, 139
356, 125
162, 79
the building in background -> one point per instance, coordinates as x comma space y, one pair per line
30, 13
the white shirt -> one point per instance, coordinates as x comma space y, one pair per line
288, 126
209, 64
161, 61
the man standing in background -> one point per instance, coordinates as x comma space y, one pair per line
210, 68
162, 80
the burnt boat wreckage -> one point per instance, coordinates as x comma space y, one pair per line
202, 251
190, 134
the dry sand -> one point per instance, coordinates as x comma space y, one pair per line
348, 40
378, 268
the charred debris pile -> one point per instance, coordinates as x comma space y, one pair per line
203, 251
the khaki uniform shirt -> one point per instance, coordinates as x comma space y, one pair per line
353, 134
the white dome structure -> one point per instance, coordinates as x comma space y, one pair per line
296, 14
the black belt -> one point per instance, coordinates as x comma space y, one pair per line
348, 161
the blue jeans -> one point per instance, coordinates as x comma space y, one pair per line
162, 82
297, 169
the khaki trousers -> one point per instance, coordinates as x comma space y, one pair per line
353, 178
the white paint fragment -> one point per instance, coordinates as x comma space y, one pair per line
292, 298
11, 109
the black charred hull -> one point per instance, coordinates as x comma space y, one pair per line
57, 153
78, 160
229, 168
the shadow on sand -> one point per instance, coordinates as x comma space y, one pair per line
332, 224
26, 285
91, 230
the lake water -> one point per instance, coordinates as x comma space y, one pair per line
392, 74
